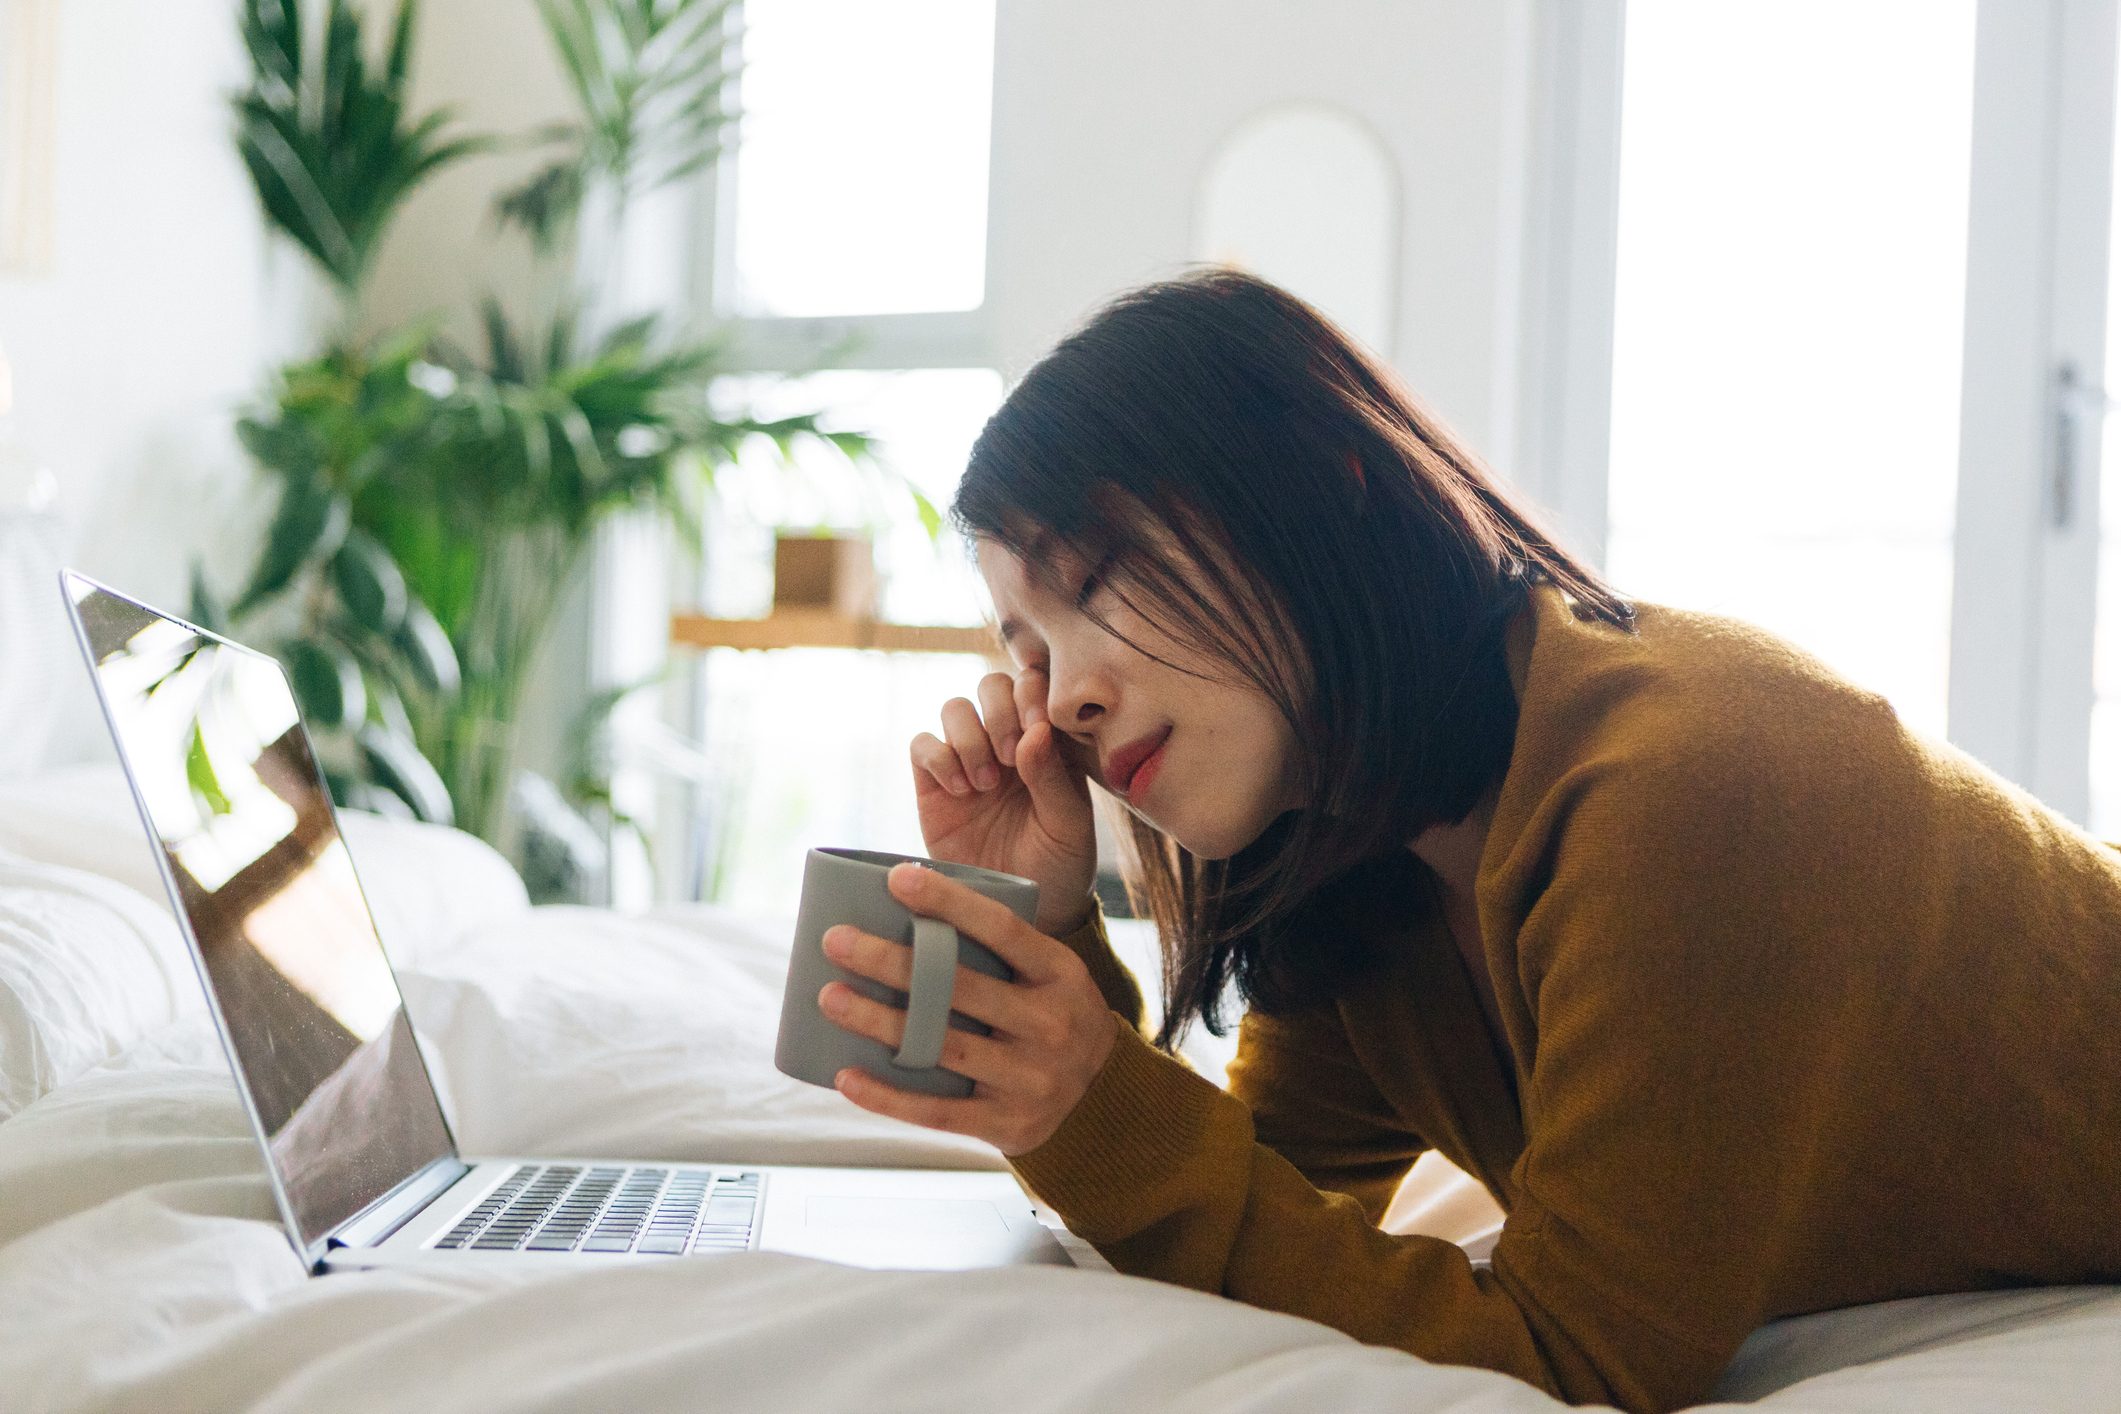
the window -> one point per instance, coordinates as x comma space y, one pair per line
852, 218
2105, 812
1788, 306
1864, 257
810, 744
861, 187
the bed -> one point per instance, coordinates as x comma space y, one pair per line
142, 1267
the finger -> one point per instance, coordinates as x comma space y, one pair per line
987, 1000
1030, 691
1059, 789
976, 1057
980, 1059
1077, 756
962, 729
933, 760
997, 703
929, 1111
864, 1016
937, 895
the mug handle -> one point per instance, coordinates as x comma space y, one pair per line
928, 995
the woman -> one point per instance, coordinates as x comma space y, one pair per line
1742, 1000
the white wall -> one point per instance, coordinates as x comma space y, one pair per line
131, 353
1107, 112
490, 63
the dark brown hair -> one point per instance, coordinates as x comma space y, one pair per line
1335, 546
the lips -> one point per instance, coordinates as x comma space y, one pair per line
1121, 765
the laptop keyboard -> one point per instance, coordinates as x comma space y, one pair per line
613, 1208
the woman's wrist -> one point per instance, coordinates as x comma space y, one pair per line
1068, 920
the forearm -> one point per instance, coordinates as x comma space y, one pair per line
1160, 1170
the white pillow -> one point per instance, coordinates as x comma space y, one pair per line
87, 967
82, 817
426, 884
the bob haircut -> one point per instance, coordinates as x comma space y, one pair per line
1261, 491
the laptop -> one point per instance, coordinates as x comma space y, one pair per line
362, 1160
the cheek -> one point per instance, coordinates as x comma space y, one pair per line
1249, 771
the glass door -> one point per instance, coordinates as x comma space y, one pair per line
1788, 304
1860, 352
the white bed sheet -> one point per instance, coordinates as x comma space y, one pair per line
140, 1265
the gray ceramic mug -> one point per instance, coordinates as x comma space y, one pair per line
849, 886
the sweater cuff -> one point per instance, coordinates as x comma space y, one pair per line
1109, 1166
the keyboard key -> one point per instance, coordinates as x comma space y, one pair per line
662, 1246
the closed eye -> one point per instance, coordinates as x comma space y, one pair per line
1094, 581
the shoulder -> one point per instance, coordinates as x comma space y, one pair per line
1699, 776
1690, 719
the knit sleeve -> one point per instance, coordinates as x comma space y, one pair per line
1312, 1102
1163, 1173
1616, 1278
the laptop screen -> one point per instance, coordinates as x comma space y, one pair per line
309, 1008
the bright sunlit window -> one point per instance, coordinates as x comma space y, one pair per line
811, 745
861, 185
1793, 211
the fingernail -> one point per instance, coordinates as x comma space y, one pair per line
988, 777
1006, 750
837, 943
842, 1080
830, 999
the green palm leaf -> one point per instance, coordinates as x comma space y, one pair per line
328, 144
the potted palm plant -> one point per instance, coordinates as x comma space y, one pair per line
437, 503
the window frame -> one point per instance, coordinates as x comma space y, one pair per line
2025, 536
787, 344
799, 343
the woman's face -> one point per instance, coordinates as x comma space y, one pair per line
1209, 760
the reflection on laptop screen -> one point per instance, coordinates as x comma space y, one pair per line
239, 809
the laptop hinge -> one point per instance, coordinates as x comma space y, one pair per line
394, 1209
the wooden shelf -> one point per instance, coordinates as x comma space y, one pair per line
820, 628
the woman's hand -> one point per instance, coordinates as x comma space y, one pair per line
1009, 793
1052, 1029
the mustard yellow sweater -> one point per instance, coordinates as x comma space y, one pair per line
1801, 1011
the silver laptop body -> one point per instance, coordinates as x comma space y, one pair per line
363, 1164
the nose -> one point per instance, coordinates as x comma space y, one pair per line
1078, 693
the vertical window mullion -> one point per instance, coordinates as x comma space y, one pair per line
2036, 300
